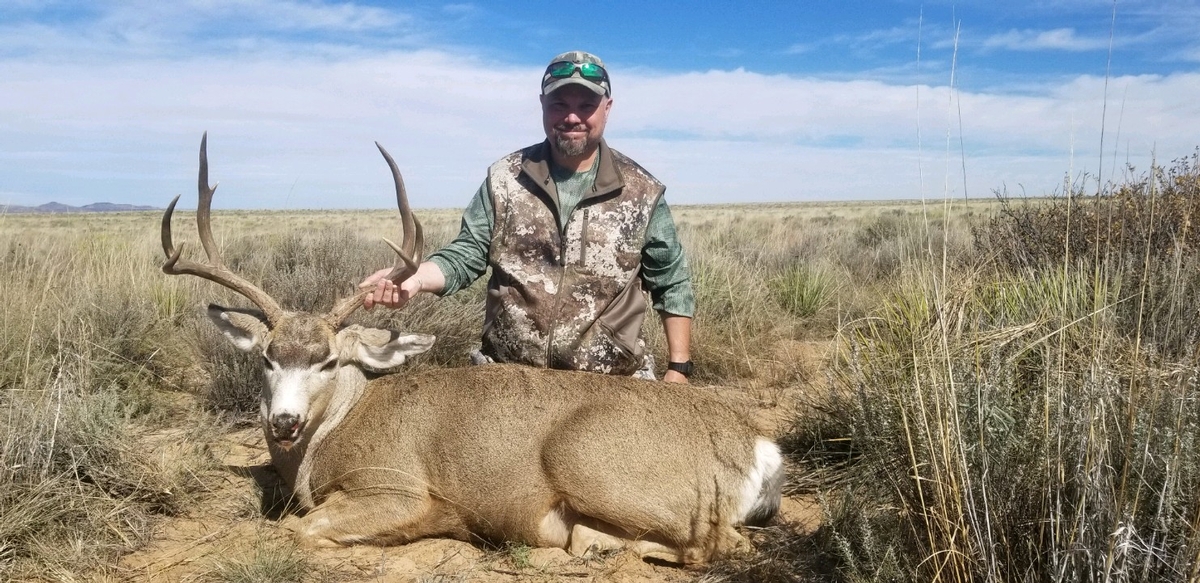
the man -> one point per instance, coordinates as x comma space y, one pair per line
573, 232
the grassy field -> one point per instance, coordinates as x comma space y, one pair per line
1012, 395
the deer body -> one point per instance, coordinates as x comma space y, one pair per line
513, 453
576, 460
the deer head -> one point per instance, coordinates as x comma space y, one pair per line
311, 362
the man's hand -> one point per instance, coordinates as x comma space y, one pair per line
386, 292
428, 278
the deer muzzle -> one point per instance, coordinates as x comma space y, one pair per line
286, 429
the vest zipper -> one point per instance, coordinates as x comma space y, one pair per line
562, 276
583, 231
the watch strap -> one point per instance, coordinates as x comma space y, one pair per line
683, 368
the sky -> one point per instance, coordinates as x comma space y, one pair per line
724, 102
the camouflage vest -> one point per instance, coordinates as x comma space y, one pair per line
569, 299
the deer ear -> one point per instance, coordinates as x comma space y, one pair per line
245, 329
379, 350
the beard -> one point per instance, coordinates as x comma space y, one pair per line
569, 147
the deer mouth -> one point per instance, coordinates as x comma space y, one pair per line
288, 438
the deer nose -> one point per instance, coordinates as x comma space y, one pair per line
284, 422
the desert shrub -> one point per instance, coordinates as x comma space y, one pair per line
1008, 429
1139, 234
1150, 214
80, 383
234, 378
883, 243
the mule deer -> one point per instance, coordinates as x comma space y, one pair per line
575, 460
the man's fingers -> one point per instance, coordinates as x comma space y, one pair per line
387, 293
382, 293
375, 277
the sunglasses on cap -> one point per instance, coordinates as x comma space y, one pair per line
589, 71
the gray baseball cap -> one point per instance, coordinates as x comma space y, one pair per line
579, 68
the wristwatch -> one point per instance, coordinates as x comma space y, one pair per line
683, 368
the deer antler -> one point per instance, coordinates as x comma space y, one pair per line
214, 270
409, 251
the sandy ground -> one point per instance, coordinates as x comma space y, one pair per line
231, 521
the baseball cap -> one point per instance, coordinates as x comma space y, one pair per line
576, 67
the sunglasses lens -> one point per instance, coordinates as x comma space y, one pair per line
591, 72
561, 70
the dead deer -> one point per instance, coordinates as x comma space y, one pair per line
575, 460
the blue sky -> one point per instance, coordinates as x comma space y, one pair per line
747, 102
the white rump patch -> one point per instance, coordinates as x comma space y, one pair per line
767, 463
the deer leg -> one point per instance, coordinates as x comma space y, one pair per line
587, 542
382, 520
597, 537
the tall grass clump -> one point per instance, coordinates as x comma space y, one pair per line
84, 358
1022, 421
802, 291
1141, 235
734, 316
269, 561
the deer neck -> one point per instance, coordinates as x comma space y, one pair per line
348, 388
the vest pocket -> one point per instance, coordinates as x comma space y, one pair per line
613, 343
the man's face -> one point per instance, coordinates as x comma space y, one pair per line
574, 117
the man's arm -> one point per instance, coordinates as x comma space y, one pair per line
666, 276
678, 330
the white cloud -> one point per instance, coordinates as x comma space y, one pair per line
1190, 54
160, 30
294, 15
1062, 39
292, 125
299, 133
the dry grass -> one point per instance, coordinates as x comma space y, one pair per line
955, 427
96, 341
268, 561
1030, 415
84, 376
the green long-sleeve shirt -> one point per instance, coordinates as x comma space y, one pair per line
664, 270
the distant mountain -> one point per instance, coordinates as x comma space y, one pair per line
109, 207
58, 207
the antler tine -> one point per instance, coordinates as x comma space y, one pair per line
407, 222
213, 271
204, 206
409, 251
